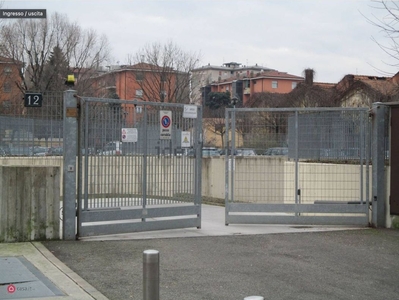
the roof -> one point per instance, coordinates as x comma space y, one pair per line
224, 68
146, 67
272, 74
5, 59
8, 60
277, 75
325, 85
384, 85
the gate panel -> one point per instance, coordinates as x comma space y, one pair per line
311, 166
137, 174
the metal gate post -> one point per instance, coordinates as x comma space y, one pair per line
198, 162
227, 169
70, 136
379, 201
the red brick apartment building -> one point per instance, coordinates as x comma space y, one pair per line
10, 95
244, 81
141, 81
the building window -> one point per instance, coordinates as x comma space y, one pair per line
139, 76
6, 104
293, 85
7, 71
139, 93
7, 87
274, 84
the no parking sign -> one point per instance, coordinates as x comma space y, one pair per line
166, 124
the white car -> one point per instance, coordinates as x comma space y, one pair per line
112, 148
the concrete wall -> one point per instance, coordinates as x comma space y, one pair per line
31, 188
29, 203
257, 179
261, 179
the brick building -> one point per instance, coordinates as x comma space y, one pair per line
10, 95
243, 81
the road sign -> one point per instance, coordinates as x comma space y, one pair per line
129, 135
185, 139
190, 111
166, 124
33, 100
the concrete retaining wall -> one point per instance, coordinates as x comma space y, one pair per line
257, 179
29, 203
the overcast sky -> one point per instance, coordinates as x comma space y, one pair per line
330, 36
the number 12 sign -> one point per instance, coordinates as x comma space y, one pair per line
33, 100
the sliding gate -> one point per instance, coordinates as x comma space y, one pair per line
137, 168
311, 166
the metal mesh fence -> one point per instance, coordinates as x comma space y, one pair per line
126, 161
27, 133
299, 155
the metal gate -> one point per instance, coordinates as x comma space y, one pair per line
137, 166
311, 166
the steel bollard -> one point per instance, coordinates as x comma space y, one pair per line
254, 298
151, 275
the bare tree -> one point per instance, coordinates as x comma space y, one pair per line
163, 72
32, 42
214, 126
389, 26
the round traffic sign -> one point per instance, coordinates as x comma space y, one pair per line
165, 121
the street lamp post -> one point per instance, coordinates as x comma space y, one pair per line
234, 101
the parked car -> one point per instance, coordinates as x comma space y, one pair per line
276, 151
90, 151
223, 151
239, 152
40, 151
21, 151
55, 151
4, 151
210, 151
112, 148
245, 152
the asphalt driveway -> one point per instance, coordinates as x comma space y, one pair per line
352, 264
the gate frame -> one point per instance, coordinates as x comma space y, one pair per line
73, 201
245, 213
382, 179
70, 134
